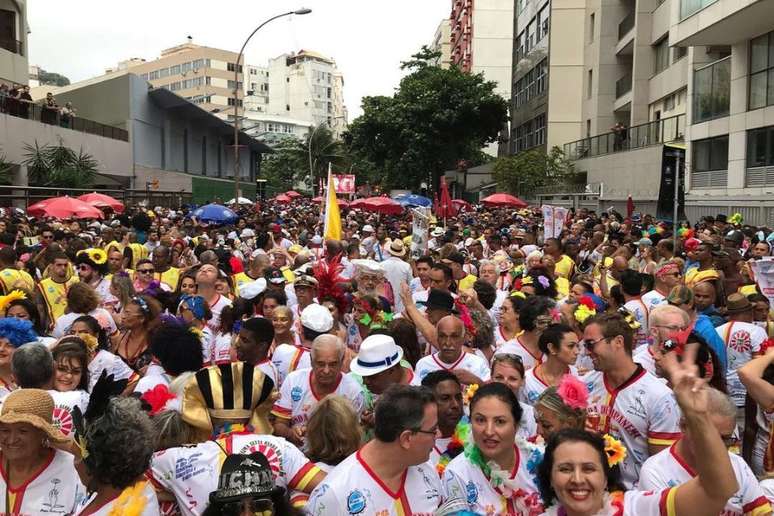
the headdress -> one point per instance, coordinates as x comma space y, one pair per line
17, 331
9, 298
616, 452
573, 392
329, 280
93, 257
586, 308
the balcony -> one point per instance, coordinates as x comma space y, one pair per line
626, 25
33, 111
720, 22
636, 137
12, 45
623, 85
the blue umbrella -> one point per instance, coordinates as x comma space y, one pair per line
215, 214
413, 200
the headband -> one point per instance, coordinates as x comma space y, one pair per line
667, 268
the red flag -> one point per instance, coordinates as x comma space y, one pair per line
445, 206
629, 207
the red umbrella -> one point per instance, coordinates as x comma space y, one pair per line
629, 207
445, 207
503, 200
357, 203
317, 199
383, 205
64, 208
99, 200
282, 198
462, 205
293, 194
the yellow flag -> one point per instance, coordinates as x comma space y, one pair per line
332, 214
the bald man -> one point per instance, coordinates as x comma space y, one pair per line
304, 388
450, 336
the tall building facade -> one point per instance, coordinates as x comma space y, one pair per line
308, 86
203, 75
442, 43
14, 51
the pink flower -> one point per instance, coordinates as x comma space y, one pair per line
573, 392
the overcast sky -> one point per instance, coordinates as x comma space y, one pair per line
367, 38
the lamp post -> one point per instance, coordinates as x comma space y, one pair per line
311, 138
299, 12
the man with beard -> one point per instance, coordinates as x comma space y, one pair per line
92, 266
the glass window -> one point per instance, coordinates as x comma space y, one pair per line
174, 70
758, 90
710, 154
186, 67
530, 37
661, 56
711, 86
756, 147
759, 49
761, 71
679, 53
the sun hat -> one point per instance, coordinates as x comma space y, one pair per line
34, 407
368, 228
397, 248
437, 231
317, 318
247, 233
245, 476
377, 353
738, 303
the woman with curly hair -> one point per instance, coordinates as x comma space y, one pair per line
119, 445
139, 319
82, 299
176, 349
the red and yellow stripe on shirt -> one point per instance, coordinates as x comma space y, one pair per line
401, 504
304, 475
663, 438
757, 507
282, 412
667, 505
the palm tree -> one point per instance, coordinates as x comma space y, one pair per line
325, 149
6, 176
59, 166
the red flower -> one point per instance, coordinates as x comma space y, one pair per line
587, 302
573, 392
157, 398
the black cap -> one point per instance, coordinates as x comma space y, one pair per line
274, 275
244, 476
721, 218
457, 257
440, 300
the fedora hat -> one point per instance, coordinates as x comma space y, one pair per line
34, 407
737, 303
397, 248
377, 353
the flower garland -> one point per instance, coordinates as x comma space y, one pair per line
586, 308
612, 505
131, 501
231, 428
456, 446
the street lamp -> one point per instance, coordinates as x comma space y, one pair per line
299, 12
311, 137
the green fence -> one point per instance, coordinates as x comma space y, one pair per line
206, 190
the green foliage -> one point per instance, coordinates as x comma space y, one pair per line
522, 173
59, 166
435, 118
52, 79
5, 170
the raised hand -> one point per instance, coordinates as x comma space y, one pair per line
690, 390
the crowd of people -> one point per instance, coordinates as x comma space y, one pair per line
16, 100
151, 363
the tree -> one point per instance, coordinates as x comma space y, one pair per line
522, 173
282, 167
6, 176
59, 166
52, 79
435, 118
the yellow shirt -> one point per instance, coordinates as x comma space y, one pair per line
11, 279
467, 282
169, 278
565, 267
55, 296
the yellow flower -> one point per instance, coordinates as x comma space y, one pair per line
131, 501
583, 312
469, 392
616, 452
97, 256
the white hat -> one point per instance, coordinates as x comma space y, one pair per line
232, 235
377, 353
247, 233
252, 289
371, 266
368, 228
469, 242
317, 318
437, 231
317, 240
396, 248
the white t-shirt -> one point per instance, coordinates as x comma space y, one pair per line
653, 298
55, 489
515, 347
64, 404
743, 340
641, 411
219, 351
297, 396
464, 480
154, 375
636, 503
288, 358
643, 355
105, 360
641, 314
216, 308
151, 503
467, 361
527, 425
191, 472
668, 469
353, 488
102, 316
534, 386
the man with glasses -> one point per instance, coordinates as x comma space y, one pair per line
634, 406
665, 320
51, 292
390, 473
667, 277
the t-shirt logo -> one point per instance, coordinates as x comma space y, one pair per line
356, 502
295, 393
472, 492
62, 419
740, 342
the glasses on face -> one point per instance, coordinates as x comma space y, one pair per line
591, 343
145, 271
47, 237
72, 371
84, 267
670, 327
432, 431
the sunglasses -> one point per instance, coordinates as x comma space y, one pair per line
84, 267
146, 271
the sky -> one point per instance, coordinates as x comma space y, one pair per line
367, 38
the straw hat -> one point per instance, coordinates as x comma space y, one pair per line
35, 407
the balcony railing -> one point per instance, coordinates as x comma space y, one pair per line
644, 135
39, 113
623, 85
11, 45
626, 25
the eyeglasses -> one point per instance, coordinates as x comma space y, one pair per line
254, 506
146, 271
432, 431
591, 343
75, 371
83, 267
670, 327
47, 237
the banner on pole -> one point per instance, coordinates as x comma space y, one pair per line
548, 221
763, 271
419, 232
344, 183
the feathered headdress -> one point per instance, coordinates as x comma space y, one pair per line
8, 299
329, 279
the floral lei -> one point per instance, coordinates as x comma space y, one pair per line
456, 446
499, 479
131, 501
231, 428
612, 505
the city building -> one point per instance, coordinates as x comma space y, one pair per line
165, 139
442, 43
307, 86
273, 129
255, 89
203, 75
13, 42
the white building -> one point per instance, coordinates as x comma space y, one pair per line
272, 129
442, 43
307, 86
256, 88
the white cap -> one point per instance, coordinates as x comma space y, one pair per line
232, 235
368, 228
252, 289
247, 233
437, 231
317, 318
317, 240
377, 353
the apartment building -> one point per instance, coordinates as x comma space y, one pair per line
442, 43
13, 42
201, 74
307, 86
255, 89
